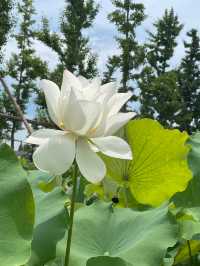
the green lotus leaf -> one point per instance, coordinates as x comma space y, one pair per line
189, 222
51, 221
190, 197
159, 168
97, 261
16, 210
183, 253
107, 261
105, 190
95, 190
138, 238
189, 228
108, 191
56, 262
52, 183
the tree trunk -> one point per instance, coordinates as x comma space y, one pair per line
12, 136
125, 75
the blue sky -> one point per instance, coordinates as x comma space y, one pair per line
102, 33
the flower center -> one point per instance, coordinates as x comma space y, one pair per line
92, 131
62, 125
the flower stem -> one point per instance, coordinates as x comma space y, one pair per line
190, 252
125, 196
71, 216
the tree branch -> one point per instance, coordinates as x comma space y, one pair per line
33, 122
17, 107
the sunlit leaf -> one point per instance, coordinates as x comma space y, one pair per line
183, 253
50, 184
108, 191
159, 167
104, 190
95, 189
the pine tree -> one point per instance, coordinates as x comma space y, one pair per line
127, 17
24, 66
112, 65
164, 99
71, 46
162, 43
156, 76
6, 23
189, 82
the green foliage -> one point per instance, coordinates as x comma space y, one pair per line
51, 221
17, 210
189, 83
6, 23
103, 234
160, 161
107, 261
189, 223
23, 67
127, 17
159, 167
163, 42
187, 207
158, 90
109, 190
78, 15
190, 197
183, 255
115, 233
157, 82
111, 66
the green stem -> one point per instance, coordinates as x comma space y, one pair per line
71, 216
190, 252
125, 196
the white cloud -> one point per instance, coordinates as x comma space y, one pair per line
10, 48
103, 32
46, 54
41, 50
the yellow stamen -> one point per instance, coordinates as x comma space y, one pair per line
92, 131
62, 125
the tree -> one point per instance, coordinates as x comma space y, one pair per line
6, 23
164, 100
111, 66
162, 43
70, 44
23, 67
127, 17
160, 95
189, 82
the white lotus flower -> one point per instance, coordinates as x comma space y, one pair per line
87, 115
